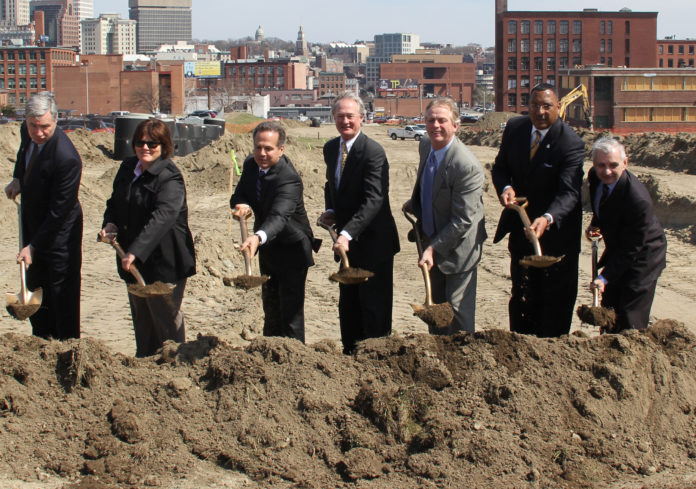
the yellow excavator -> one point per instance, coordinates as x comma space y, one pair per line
578, 92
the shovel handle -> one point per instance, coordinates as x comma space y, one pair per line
416, 231
531, 235
245, 235
334, 238
122, 254
595, 253
428, 285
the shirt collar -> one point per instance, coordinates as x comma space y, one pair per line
349, 143
542, 132
440, 153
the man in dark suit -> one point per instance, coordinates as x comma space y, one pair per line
271, 187
541, 158
635, 244
357, 203
448, 201
47, 173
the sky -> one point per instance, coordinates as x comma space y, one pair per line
457, 22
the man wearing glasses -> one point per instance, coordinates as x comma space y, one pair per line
47, 173
541, 158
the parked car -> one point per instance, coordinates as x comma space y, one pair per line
379, 120
204, 113
411, 132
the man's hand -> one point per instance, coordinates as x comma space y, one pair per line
598, 284
539, 226
241, 211
508, 197
127, 261
12, 189
328, 218
341, 242
25, 255
592, 232
109, 232
427, 258
252, 244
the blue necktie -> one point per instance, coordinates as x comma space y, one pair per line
427, 194
259, 183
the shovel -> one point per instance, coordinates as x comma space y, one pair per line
247, 281
139, 289
25, 303
345, 275
596, 315
537, 260
436, 315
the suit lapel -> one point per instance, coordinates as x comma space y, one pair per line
354, 155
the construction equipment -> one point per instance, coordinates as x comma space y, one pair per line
578, 92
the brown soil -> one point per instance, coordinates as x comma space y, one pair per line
249, 281
150, 290
231, 409
351, 276
597, 316
436, 315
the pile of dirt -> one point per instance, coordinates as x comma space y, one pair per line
493, 409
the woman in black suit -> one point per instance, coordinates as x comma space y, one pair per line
148, 214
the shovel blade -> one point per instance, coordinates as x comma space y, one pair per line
351, 276
540, 261
597, 316
249, 281
151, 290
21, 310
439, 316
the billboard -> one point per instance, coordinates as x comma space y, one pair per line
203, 69
398, 85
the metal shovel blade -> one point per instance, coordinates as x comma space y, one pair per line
150, 290
351, 276
21, 309
540, 261
249, 281
439, 316
603, 317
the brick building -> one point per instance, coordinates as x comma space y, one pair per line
676, 53
629, 100
536, 47
28, 69
331, 83
60, 22
251, 76
294, 98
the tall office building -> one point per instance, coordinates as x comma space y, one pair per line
14, 12
61, 25
160, 22
84, 9
109, 34
385, 46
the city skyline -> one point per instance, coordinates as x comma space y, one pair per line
211, 19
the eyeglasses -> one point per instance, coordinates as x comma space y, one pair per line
546, 107
150, 144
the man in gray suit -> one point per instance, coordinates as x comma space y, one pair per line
448, 202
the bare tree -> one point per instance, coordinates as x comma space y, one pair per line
145, 99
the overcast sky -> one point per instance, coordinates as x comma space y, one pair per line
448, 21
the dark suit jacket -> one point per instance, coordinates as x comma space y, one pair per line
152, 218
457, 207
634, 240
361, 203
51, 211
280, 214
551, 181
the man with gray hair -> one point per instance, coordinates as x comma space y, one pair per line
635, 244
47, 175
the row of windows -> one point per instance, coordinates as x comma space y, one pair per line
22, 83
538, 45
22, 69
539, 63
525, 82
20, 55
670, 49
659, 114
524, 97
260, 70
605, 27
658, 83
261, 81
681, 63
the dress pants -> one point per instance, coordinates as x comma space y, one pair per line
157, 319
631, 299
365, 309
459, 289
542, 301
283, 302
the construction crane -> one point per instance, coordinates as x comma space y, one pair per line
578, 92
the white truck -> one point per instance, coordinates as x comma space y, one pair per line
406, 132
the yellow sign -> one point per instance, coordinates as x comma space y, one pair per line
208, 69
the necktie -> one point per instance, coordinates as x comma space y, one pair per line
605, 193
427, 194
259, 184
344, 155
32, 159
535, 144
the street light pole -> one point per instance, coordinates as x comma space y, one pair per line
86, 65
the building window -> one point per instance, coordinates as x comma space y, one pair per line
260, 70
524, 82
524, 99
610, 26
563, 62
563, 45
537, 80
691, 49
524, 27
512, 46
670, 49
681, 49
512, 83
512, 27
564, 27
512, 99
538, 27
524, 45
551, 27
610, 46
670, 63
601, 60
32, 55
577, 27
270, 70
538, 45
21, 55
538, 63
32, 83
2, 69
662, 63
32, 69
43, 69
43, 83
551, 64
550, 46
2, 83
242, 70
43, 55
11, 83
577, 45
11, 69
280, 81
280, 70
681, 63
628, 27
524, 63
252, 70
22, 83
627, 49
512, 64
22, 69
602, 28
10, 55
551, 80
601, 45
577, 60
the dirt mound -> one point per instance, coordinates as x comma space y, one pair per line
493, 409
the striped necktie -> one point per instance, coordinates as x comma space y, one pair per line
344, 155
535, 144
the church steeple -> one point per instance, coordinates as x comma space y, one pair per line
301, 48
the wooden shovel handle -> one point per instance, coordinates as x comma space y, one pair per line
428, 285
595, 253
122, 254
531, 235
334, 238
245, 235
416, 231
